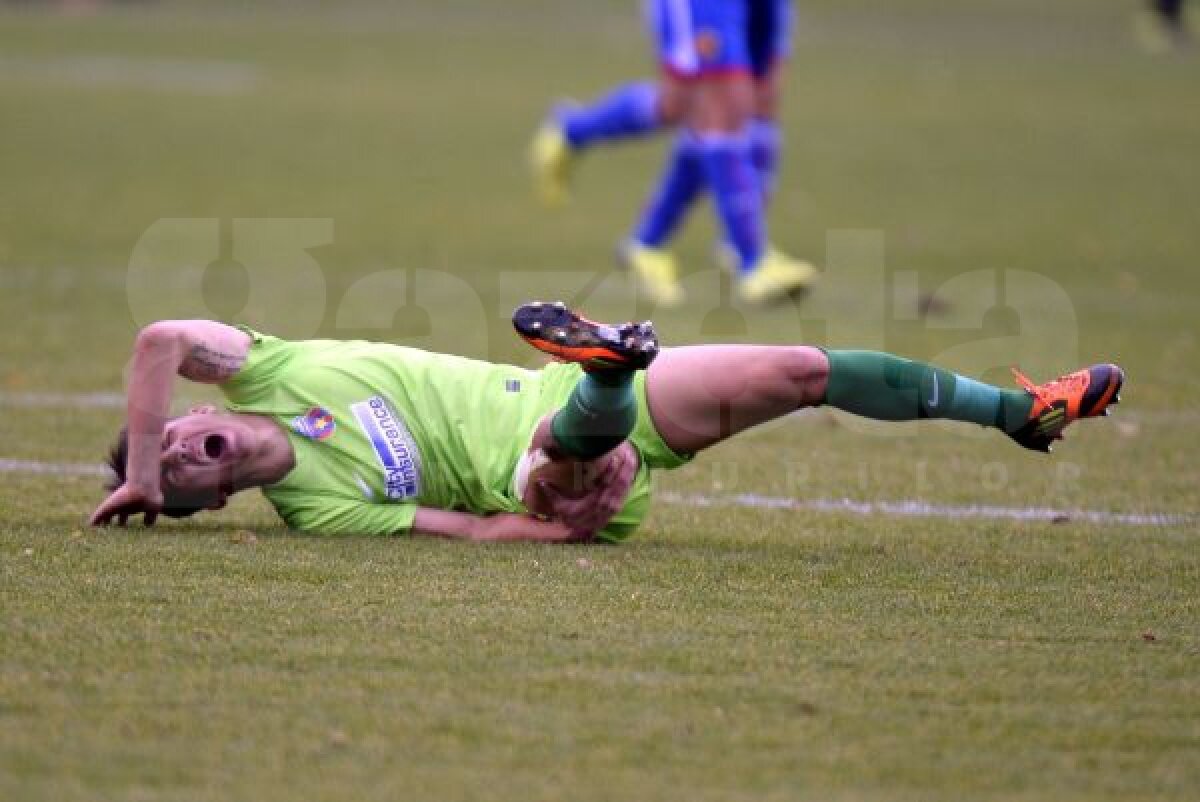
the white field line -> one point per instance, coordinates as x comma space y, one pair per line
58, 400
909, 508
197, 76
52, 468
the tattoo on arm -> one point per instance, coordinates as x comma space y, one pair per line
209, 364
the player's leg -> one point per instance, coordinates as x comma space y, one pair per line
719, 114
701, 395
769, 35
681, 183
601, 410
633, 109
645, 253
629, 111
766, 144
578, 446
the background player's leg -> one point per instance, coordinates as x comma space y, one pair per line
766, 139
632, 110
719, 117
681, 183
768, 35
627, 111
645, 253
765, 143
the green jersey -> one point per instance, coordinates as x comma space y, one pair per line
378, 430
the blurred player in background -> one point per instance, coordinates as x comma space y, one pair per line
1161, 27
720, 63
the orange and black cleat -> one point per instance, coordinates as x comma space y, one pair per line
556, 330
1086, 393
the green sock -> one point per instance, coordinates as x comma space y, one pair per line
886, 387
598, 416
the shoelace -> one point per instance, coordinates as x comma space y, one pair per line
1045, 393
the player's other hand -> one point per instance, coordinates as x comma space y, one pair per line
604, 493
125, 501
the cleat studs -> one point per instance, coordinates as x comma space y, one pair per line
536, 304
559, 305
536, 325
560, 335
647, 347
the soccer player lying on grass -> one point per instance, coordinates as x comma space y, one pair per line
367, 438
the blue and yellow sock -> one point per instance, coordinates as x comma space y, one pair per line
681, 183
765, 145
733, 181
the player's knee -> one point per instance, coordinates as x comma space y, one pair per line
806, 371
672, 103
766, 100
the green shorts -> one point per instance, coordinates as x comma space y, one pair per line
653, 452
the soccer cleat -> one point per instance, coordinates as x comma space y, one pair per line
725, 256
551, 158
1086, 393
655, 271
775, 277
556, 330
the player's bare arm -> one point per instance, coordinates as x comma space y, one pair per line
199, 350
498, 528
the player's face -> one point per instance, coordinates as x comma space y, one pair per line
200, 453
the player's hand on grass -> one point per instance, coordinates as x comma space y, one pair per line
128, 500
605, 494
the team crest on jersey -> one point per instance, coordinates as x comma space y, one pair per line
316, 424
708, 44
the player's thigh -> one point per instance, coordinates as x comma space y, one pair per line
699, 395
720, 103
674, 95
766, 94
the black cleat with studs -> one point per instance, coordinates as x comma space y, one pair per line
556, 330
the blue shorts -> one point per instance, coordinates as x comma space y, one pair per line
699, 38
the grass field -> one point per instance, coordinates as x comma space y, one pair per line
1021, 163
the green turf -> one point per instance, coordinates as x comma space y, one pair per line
723, 653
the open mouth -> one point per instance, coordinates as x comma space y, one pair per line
214, 446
